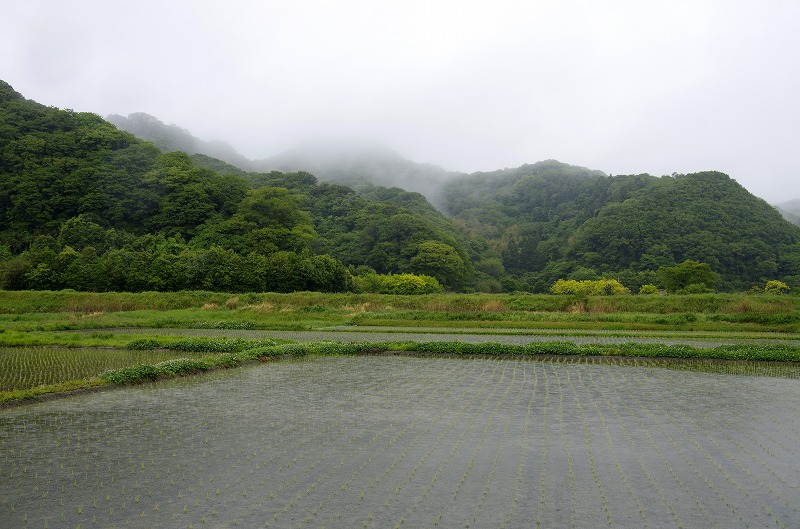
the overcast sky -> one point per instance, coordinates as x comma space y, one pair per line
621, 86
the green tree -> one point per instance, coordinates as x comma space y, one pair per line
79, 232
648, 289
687, 274
776, 287
268, 220
440, 261
587, 287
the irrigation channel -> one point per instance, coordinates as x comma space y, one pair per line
400, 442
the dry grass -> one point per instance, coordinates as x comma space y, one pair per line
601, 306
232, 303
748, 304
359, 308
261, 308
494, 305
210, 306
91, 315
578, 307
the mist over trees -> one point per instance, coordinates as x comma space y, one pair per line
790, 210
88, 206
170, 138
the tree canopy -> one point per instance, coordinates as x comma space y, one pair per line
85, 205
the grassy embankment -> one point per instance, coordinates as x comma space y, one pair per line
48, 311
30, 319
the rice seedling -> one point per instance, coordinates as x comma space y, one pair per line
413, 442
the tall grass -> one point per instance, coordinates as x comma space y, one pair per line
18, 302
64, 310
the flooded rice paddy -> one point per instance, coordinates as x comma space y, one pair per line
383, 442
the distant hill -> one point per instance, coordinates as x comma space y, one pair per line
540, 222
88, 206
790, 210
171, 138
346, 163
551, 220
359, 165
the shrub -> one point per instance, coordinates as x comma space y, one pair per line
131, 375
588, 287
776, 287
399, 284
648, 289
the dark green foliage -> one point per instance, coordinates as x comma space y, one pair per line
689, 275
703, 217
389, 230
88, 207
552, 220
132, 374
200, 344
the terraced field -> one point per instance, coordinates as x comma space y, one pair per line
382, 442
28, 367
508, 336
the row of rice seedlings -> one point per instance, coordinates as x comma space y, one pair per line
771, 445
298, 483
389, 478
623, 477
473, 487
384, 426
680, 424
762, 461
790, 431
523, 456
769, 485
476, 451
421, 434
488, 428
331, 440
615, 456
322, 443
53, 480
634, 406
393, 479
481, 397
565, 444
655, 410
393, 439
501, 445
592, 462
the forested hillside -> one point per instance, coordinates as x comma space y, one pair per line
359, 166
355, 165
84, 205
87, 206
551, 220
169, 138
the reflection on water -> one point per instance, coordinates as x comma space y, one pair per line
349, 441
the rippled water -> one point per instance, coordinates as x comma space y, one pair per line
345, 442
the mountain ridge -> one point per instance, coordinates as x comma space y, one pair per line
80, 197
